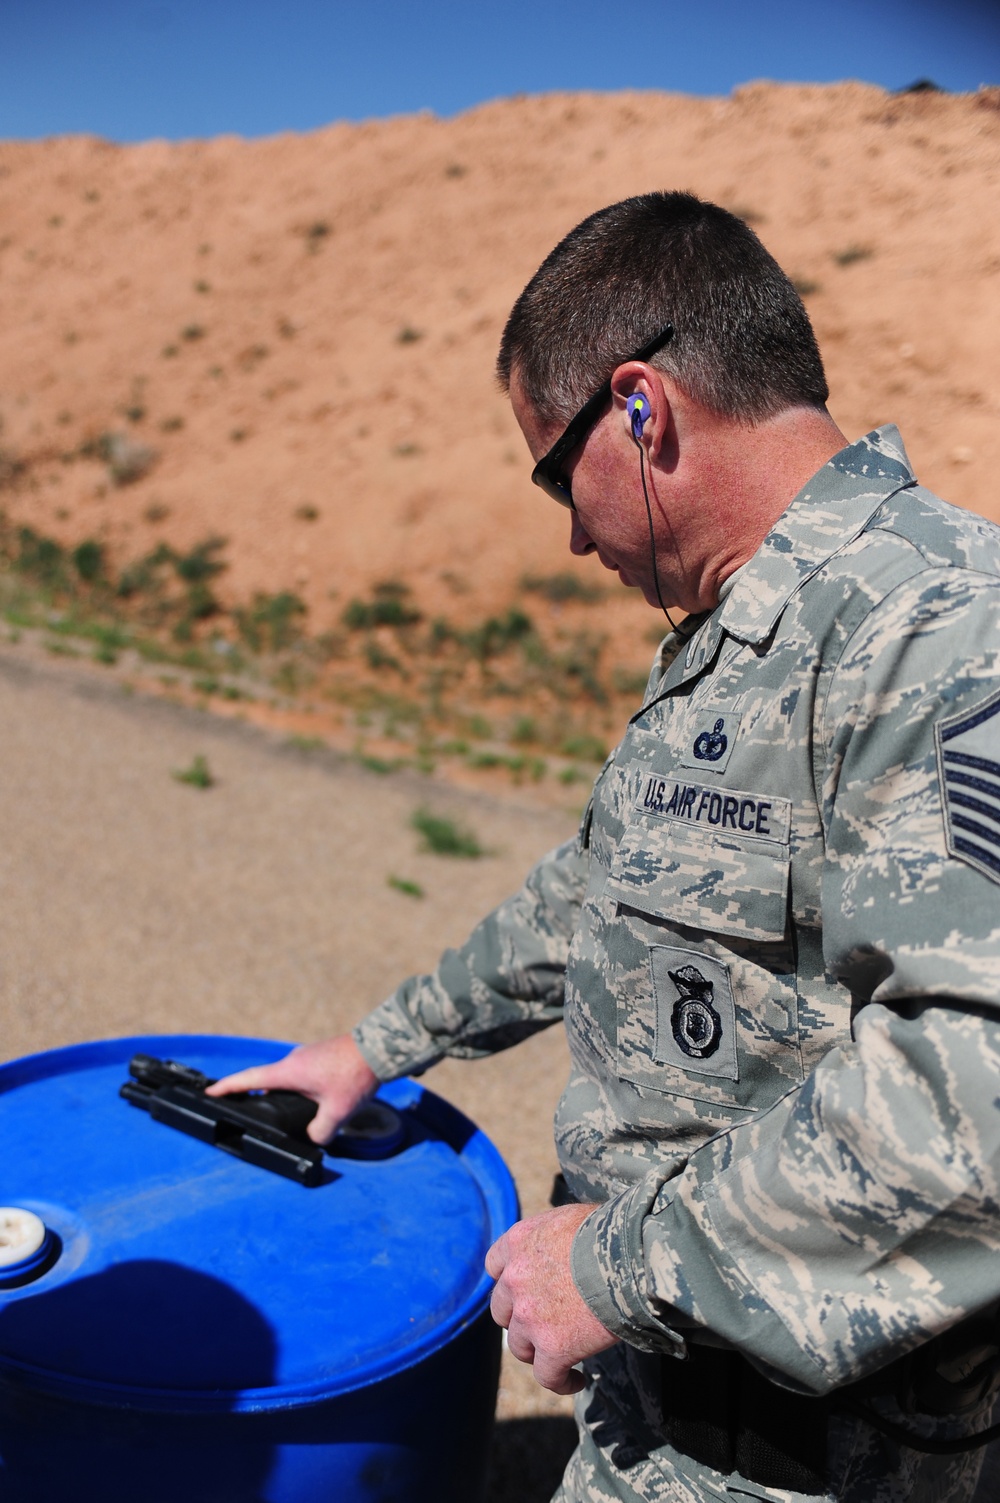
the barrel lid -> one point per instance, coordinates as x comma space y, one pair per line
187, 1279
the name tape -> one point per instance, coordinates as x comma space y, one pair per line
761, 817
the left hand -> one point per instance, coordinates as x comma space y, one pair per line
548, 1322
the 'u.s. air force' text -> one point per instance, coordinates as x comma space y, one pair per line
724, 809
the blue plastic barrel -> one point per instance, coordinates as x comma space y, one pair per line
204, 1331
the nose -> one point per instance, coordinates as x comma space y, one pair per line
580, 541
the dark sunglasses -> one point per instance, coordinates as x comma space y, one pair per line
547, 471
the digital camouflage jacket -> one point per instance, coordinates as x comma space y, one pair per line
776, 947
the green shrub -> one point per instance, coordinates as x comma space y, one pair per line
443, 836
497, 634
88, 560
198, 775
558, 589
389, 606
41, 558
272, 623
586, 747
852, 253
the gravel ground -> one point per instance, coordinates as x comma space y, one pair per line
134, 903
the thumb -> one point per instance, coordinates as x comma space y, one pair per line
325, 1123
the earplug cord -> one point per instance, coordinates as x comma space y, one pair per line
652, 538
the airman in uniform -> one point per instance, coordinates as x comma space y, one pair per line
774, 942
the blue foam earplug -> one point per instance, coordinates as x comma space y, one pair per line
637, 408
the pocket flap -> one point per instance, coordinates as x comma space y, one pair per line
702, 880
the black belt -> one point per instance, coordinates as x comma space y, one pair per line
719, 1410
722, 1412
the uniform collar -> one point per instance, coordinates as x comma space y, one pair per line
831, 509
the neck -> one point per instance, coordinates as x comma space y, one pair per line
741, 480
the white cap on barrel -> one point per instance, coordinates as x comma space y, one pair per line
21, 1235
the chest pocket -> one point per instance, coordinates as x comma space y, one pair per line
716, 885
689, 869
696, 903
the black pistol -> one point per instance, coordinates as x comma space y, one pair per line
267, 1129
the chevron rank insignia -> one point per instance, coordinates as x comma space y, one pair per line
968, 748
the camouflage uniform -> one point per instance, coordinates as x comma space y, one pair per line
775, 947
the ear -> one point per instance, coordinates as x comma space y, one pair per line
641, 399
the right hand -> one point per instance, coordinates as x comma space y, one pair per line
334, 1073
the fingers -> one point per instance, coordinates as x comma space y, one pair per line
520, 1346
555, 1374
257, 1078
501, 1306
496, 1258
550, 1370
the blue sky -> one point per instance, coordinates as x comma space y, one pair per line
134, 69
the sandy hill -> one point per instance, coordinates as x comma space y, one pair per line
303, 328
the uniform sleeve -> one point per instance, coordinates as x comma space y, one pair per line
860, 1215
505, 983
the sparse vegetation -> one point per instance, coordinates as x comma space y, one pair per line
272, 623
405, 886
443, 836
315, 234
88, 560
421, 683
852, 253
389, 606
560, 589
409, 335
586, 747
380, 765
198, 775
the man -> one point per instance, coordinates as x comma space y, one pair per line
774, 941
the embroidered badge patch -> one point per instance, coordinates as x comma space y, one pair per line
695, 1012
968, 748
709, 740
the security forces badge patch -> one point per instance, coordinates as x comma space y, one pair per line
695, 1012
968, 753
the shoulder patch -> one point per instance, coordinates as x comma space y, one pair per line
968, 750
